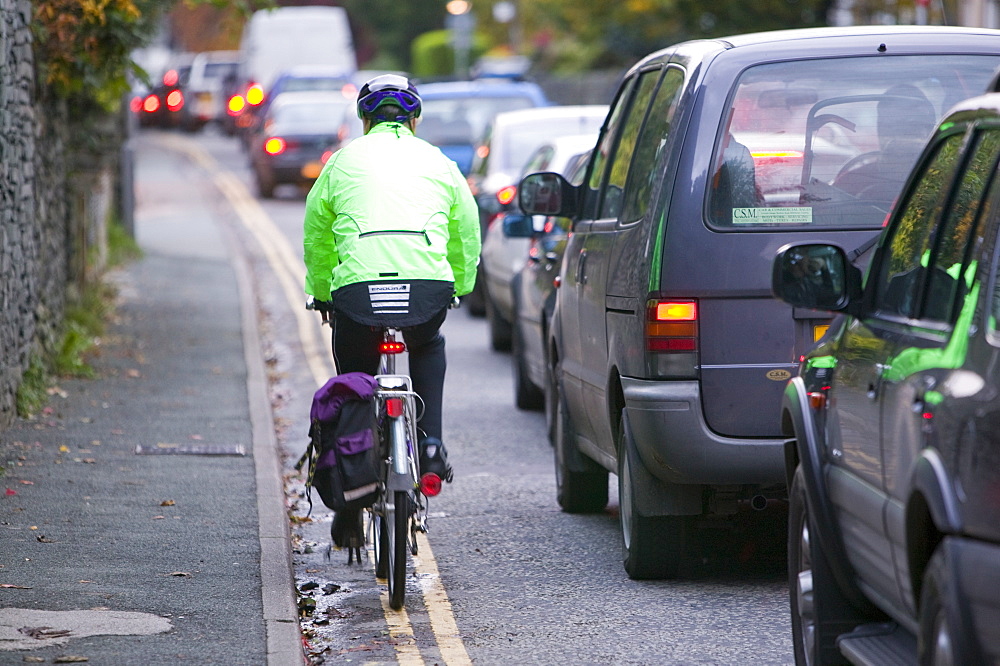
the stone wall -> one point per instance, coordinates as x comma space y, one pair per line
36, 231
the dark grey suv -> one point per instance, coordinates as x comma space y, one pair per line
894, 465
669, 355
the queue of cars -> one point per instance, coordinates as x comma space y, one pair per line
669, 359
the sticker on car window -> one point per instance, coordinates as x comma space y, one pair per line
803, 215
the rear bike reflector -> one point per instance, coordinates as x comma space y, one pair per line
430, 484
394, 407
391, 347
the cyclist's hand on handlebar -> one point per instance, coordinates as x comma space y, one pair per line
325, 308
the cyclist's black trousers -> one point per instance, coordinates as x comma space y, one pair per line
355, 349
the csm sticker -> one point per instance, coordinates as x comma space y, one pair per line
779, 375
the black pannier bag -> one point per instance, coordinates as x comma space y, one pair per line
342, 455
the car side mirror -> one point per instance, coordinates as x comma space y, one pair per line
816, 276
547, 193
517, 225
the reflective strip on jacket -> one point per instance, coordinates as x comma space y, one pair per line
390, 205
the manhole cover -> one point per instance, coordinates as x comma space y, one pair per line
190, 450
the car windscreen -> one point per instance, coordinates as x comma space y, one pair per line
319, 118
462, 120
830, 142
522, 139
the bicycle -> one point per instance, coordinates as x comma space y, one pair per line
400, 509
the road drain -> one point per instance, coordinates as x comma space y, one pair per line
190, 450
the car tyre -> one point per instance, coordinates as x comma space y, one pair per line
653, 547
943, 640
265, 185
500, 328
581, 484
526, 394
475, 300
820, 611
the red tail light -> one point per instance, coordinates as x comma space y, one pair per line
275, 145
135, 104
430, 484
236, 105
394, 407
151, 104
170, 77
255, 95
507, 194
175, 100
391, 347
671, 326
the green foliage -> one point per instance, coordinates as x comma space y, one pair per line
33, 391
434, 55
389, 27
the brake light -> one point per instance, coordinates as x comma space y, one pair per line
391, 347
507, 194
236, 105
671, 326
255, 95
175, 100
135, 105
170, 77
151, 104
767, 157
275, 145
394, 407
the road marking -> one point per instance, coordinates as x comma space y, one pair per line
289, 270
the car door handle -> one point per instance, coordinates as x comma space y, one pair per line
581, 268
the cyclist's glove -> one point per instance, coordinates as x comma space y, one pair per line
321, 306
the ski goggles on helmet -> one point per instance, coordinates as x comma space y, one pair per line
388, 89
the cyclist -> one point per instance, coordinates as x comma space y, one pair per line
391, 236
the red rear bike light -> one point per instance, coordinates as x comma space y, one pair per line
430, 484
671, 326
392, 347
394, 407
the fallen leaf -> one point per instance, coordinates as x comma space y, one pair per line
85, 581
311, 585
330, 588
41, 538
63, 448
28, 659
41, 633
159, 517
10, 491
11, 586
90, 461
168, 503
26, 482
180, 574
69, 659
132, 372
197, 437
33, 527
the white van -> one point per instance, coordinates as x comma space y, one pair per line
276, 39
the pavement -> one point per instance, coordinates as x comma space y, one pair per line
142, 514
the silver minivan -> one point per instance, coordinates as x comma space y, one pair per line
668, 353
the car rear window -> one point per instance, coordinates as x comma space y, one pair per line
830, 142
462, 120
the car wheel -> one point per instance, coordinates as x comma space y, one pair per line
550, 396
265, 184
652, 546
819, 610
526, 394
500, 328
475, 300
942, 639
581, 484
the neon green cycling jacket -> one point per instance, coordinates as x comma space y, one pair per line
390, 204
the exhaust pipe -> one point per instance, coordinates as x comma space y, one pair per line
758, 502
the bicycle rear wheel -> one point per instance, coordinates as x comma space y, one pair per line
380, 541
398, 520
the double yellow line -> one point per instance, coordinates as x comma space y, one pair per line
289, 271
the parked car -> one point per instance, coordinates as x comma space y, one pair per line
297, 130
533, 286
455, 113
507, 142
162, 106
668, 351
205, 90
894, 528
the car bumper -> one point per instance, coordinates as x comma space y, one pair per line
677, 445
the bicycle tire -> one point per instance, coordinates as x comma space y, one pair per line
380, 538
397, 549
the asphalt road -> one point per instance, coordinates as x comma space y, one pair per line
510, 579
